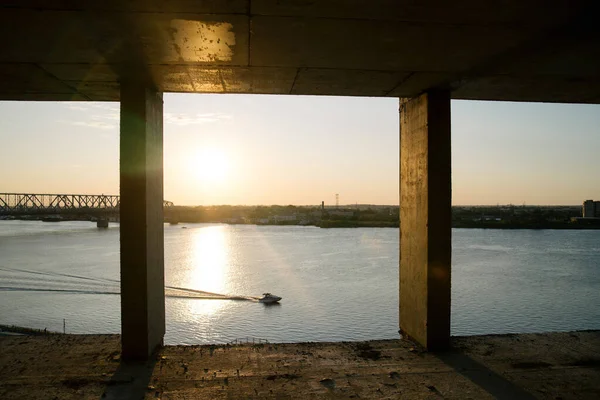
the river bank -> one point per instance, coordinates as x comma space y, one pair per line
466, 225
21, 330
329, 224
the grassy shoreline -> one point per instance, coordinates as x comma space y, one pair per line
27, 331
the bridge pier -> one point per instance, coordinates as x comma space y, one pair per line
102, 223
141, 213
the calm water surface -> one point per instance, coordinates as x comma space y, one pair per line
336, 284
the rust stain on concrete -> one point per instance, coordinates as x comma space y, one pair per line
197, 41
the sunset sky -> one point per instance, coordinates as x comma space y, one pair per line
251, 149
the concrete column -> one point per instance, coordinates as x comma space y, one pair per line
141, 214
425, 219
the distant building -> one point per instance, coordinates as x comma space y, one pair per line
284, 218
489, 218
340, 213
591, 209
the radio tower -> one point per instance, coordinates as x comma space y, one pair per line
337, 200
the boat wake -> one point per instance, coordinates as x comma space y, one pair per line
34, 289
25, 280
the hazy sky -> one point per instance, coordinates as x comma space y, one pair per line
241, 149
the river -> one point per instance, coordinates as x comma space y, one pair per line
336, 284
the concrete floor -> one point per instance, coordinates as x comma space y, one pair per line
548, 366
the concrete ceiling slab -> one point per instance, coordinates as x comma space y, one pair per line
568, 58
415, 82
182, 6
346, 82
458, 12
530, 88
265, 80
500, 50
194, 38
97, 91
56, 37
45, 97
83, 72
77, 37
178, 78
28, 79
375, 45
195, 79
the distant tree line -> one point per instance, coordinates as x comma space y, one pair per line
508, 216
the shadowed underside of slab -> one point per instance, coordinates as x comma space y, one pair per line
505, 50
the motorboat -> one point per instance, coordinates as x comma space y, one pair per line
269, 298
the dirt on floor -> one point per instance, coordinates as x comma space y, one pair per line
525, 366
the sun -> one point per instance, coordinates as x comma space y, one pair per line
209, 166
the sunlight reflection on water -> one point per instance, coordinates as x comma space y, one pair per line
209, 266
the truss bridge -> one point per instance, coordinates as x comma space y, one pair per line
73, 206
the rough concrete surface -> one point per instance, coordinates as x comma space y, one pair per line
546, 366
509, 50
425, 219
141, 228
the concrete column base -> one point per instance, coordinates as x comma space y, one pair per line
141, 214
425, 219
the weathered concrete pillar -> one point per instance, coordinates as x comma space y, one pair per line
425, 219
141, 214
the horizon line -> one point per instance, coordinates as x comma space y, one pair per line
373, 204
